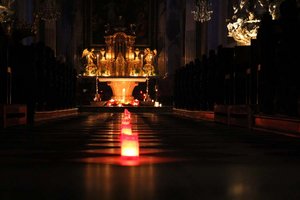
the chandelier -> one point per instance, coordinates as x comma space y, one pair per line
203, 11
6, 13
244, 23
48, 11
244, 29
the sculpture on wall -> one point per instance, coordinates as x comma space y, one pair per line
149, 56
244, 23
120, 65
90, 67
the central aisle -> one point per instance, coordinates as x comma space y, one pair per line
79, 158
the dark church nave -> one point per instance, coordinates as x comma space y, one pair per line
131, 99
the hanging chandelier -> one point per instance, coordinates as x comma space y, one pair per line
6, 13
48, 11
244, 23
203, 11
242, 30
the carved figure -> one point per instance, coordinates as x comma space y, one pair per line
91, 68
148, 67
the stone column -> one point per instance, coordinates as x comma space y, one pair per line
50, 34
190, 32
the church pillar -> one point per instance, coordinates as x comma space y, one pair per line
174, 38
190, 32
216, 32
3, 65
174, 33
25, 14
50, 34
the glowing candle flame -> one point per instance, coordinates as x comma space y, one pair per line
129, 141
130, 148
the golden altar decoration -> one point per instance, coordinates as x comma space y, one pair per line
120, 64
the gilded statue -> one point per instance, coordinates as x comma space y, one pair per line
120, 65
90, 67
149, 56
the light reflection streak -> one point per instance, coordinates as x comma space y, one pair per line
241, 183
111, 182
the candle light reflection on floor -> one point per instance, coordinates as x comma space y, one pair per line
128, 152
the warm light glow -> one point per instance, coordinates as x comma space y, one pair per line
111, 102
135, 102
127, 114
131, 56
125, 121
108, 56
129, 144
243, 30
117, 84
102, 51
123, 94
126, 131
121, 59
6, 14
130, 148
244, 23
142, 60
129, 141
126, 118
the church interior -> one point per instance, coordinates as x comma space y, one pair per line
154, 66
193, 55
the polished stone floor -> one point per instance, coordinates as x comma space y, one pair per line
79, 158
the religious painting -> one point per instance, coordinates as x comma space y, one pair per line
129, 14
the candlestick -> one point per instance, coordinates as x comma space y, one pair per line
142, 60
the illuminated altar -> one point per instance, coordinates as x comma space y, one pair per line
120, 65
122, 87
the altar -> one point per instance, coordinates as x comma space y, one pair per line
122, 87
120, 65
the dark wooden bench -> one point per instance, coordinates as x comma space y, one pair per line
13, 114
236, 115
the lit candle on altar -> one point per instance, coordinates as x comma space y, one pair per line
108, 55
142, 60
97, 59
